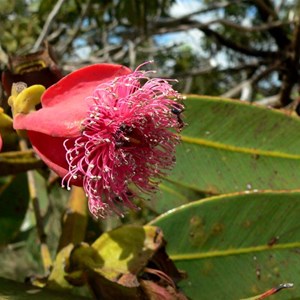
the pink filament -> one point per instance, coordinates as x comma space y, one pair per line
126, 141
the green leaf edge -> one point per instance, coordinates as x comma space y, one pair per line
229, 252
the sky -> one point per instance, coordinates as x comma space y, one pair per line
191, 37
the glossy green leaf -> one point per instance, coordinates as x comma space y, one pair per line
231, 146
14, 198
236, 246
12, 290
171, 195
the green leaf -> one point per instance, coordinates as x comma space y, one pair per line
14, 198
232, 146
238, 245
12, 290
171, 195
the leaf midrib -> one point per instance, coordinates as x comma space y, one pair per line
251, 151
230, 252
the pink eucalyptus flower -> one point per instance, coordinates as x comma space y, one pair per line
1, 143
108, 129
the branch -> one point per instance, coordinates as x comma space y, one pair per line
272, 101
195, 72
173, 22
233, 92
279, 6
263, 27
45, 253
268, 13
107, 50
236, 46
47, 25
132, 54
211, 33
253, 80
188, 85
76, 29
291, 75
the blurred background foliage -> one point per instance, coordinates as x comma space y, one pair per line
239, 49
242, 49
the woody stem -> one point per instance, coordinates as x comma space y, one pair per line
45, 253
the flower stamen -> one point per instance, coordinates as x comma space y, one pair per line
128, 138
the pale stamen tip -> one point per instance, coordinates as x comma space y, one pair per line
145, 145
